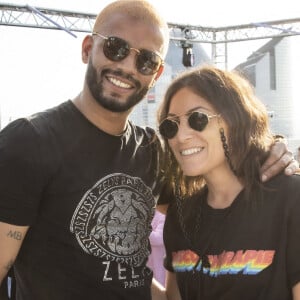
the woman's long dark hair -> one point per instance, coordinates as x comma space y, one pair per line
249, 136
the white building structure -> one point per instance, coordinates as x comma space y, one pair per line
273, 69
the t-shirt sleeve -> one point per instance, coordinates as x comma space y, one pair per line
293, 231
168, 238
168, 263
20, 173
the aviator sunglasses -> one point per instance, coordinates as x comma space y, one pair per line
116, 49
197, 120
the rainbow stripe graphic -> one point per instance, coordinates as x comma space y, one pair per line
246, 262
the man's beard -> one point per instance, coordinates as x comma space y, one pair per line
112, 104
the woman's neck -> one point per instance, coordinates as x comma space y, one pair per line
222, 190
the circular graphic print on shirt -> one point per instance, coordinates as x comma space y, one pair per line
113, 219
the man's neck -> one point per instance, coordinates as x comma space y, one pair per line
110, 122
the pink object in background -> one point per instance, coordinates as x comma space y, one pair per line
156, 257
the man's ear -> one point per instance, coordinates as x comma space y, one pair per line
157, 75
159, 72
86, 49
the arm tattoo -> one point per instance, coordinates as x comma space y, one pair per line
17, 235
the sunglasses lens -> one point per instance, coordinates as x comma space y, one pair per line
168, 129
198, 120
115, 48
148, 63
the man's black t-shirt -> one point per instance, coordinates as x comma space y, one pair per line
88, 198
252, 250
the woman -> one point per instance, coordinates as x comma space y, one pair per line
227, 235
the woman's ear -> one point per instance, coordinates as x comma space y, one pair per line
86, 49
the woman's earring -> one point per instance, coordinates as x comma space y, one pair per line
226, 149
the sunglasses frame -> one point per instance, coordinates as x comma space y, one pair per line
139, 54
176, 120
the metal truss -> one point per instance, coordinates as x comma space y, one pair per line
45, 18
239, 33
219, 37
37, 17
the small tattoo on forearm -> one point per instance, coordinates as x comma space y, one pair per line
17, 235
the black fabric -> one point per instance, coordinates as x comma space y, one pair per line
254, 253
4, 289
8, 286
88, 198
166, 195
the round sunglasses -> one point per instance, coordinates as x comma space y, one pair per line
197, 120
117, 49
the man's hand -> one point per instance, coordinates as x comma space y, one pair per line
280, 159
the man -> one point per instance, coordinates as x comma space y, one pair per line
78, 182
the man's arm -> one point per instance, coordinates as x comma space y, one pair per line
11, 239
280, 159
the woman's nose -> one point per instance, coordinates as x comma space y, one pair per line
184, 130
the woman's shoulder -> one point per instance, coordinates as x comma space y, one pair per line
284, 181
285, 188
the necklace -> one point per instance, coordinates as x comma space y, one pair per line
192, 238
